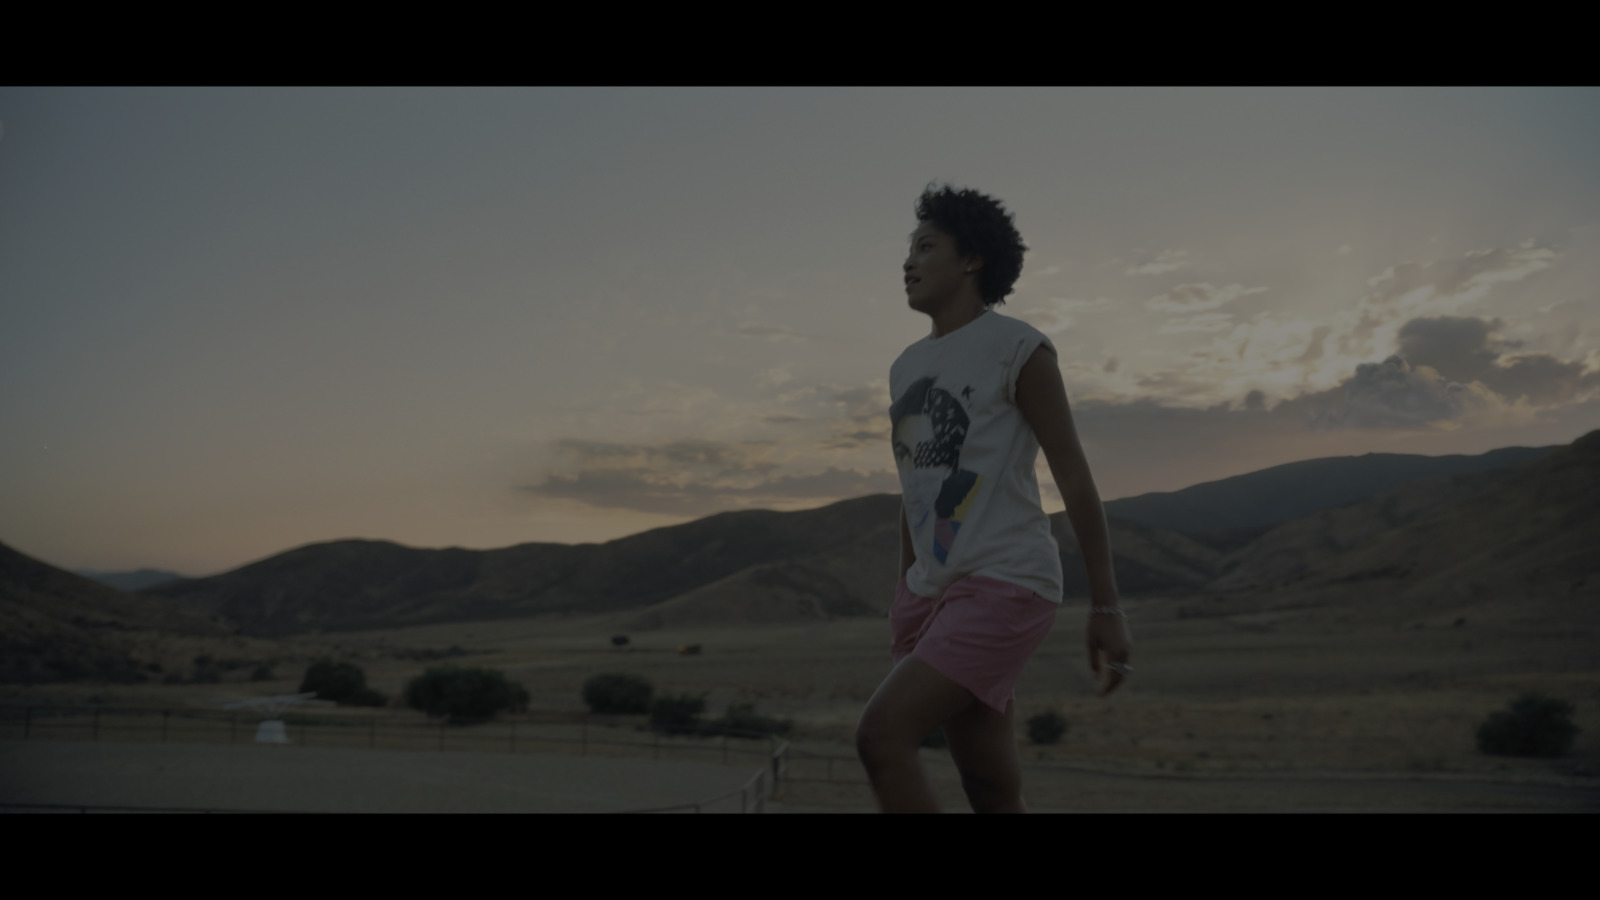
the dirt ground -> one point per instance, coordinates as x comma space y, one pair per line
1291, 710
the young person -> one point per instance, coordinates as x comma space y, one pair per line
973, 404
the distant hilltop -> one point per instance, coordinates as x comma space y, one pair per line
1516, 522
130, 581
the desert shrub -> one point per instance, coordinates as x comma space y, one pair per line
1534, 726
679, 714
742, 720
465, 695
367, 697
1046, 728
618, 693
340, 682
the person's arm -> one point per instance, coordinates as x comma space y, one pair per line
1042, 398
908, 553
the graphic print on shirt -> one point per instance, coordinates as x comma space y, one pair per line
929, 428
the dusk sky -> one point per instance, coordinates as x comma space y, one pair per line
238, 321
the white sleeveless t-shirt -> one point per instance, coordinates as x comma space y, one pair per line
966, 458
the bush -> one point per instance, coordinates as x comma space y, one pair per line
465, 695
340, 682
1046, 728
618, 694
1535, 726
741, 720
677, 714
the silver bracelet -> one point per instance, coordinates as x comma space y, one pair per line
1107, 611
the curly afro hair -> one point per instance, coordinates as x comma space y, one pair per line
980, 226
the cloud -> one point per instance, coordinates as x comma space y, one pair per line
1205, 322
1447, 370
1157, 264
1474, 272
1395, 393
1314, 346
1054, 316
863, 418
1066, 305
1049, 321
1455, 347
1193, 298
771, 333
774, 377
1466, 349
1541, 379
816, 441
694, 477
1411, 290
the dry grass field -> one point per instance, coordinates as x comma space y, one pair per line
1316, 708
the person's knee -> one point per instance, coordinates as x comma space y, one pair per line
878, 744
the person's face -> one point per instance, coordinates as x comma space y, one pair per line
910, 433
933, 270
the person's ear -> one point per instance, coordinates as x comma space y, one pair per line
972, 264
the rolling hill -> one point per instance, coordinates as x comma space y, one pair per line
1261, 499
57, 626
1528, 524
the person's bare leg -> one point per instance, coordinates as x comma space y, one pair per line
984, 748
912, 701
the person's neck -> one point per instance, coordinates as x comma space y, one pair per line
961, 312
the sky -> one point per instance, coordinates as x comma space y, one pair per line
236, 321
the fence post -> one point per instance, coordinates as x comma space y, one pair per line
164, 714
97, 724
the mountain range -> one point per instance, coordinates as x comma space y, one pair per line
1518, 518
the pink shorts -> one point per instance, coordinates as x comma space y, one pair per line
979, 634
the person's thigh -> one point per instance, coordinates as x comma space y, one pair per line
984, 748
911, 702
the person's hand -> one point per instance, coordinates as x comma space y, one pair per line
1109, 643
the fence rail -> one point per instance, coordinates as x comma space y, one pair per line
589, 735
527, 733
81, 808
